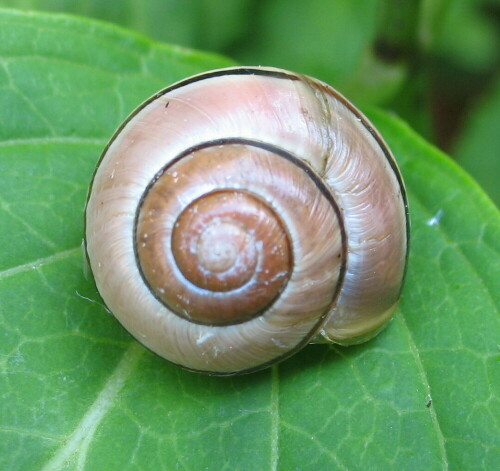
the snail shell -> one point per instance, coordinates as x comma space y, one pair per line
242, 213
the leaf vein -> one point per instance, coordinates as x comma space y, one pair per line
79, 440
37, 141
425, 382
458, 248
36, 264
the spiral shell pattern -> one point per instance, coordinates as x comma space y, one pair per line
239, 213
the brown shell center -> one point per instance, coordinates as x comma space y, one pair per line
220, 240
225, 259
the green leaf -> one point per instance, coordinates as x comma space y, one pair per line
192, 23
77, 392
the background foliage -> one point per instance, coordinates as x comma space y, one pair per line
434, 62
76, 392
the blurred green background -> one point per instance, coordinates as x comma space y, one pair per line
435, 63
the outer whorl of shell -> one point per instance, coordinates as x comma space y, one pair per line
240, 213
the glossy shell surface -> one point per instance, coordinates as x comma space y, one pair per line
324, 207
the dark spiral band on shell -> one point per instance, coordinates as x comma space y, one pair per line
203, 301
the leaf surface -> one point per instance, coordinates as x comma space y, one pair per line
77, 392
